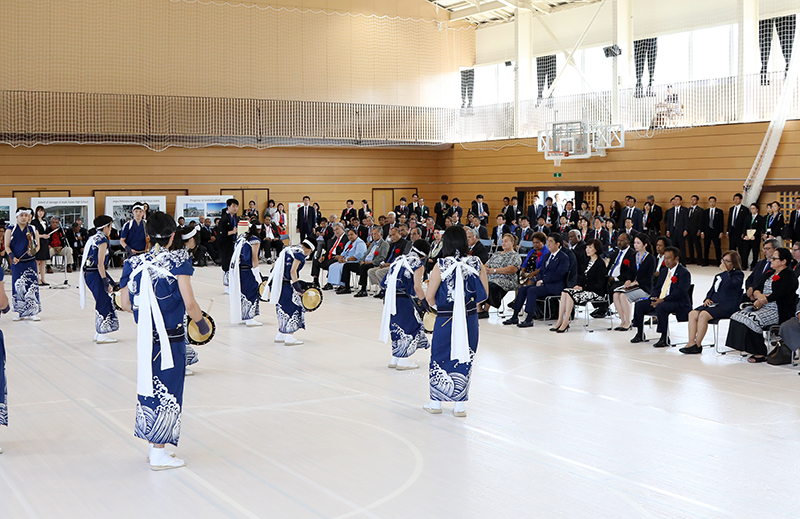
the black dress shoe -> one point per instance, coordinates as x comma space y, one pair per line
527, 323
379, 295
639, 337
662, 343
513, 320
483, 315
598, 314
327, 286
694, 348
361, 293
343, 290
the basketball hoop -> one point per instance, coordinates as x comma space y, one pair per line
557, 157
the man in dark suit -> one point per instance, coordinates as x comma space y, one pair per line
328, 255
534, 210
456, 212
306, 220
476, 248
476, 224
621, 268
499, 230
348, 212
695, 227
600, 233
550, 281
794, 222
629, 230
713, 230
632, 212
550, 213
737, 216
402, 209
422, 211
271, 240
513, 213
676, 224
750, 241
208, 239
442, 211
524, 231
541, 227
670, 296
761, 269
227, 237
578, 246
571, 214
656, 214
480, 209
414, 207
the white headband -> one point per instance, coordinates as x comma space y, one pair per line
137, 206
189, 234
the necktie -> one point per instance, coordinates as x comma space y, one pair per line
665, 286
546, 263
630, 213
735, 213
617, 262
796, 217
711, 218
675, 222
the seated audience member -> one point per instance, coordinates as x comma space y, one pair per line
272, 238
721, 302
59, 246
585, 212
673, 298
641, 277
251, 211
475, 223
500, 230
535, 259
583, 227
402, 228
563, 225
629, 230
430, 227
353, 253
327, 255
761, 269
550, 281
774, 301
613, 233
502, 270
796, 258
591, 286
541, 227
76, 243
389, 224
402, 210
571, 215
620, 270
397, 247
348, 212
436, 249
377, 251
524, 231
207, 238
662, 242
578, 246
667, 110
600, 233
476, 248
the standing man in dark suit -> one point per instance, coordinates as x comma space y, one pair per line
676, 223
402, 209
550, 213
751, 237
414, 207
534, 210
349, 212
515, 213
656, 214
456, 212
227, 237
442, 211
737, 216
480, 209
670, 296
794, 222
713, 230
632, 212
500, 229
306, 220
695, 227
571, 214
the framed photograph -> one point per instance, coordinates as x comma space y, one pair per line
8, 206
196, 208
120, 207
67, 209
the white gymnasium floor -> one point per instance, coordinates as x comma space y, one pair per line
580, 425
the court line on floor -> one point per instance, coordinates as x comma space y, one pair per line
14, 490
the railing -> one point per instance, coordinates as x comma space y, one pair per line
29, 118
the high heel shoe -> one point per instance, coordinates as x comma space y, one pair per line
554, 329
564, 330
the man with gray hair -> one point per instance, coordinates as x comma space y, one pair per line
578, 246
329, 254
390, 223
397, 247
59, 246
760, 270
377, 252
476, 248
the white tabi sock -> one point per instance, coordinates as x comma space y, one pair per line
280, 337
459, 407
393, 362
435, 404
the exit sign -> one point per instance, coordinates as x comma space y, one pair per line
556, 175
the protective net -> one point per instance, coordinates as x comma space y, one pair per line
163, 73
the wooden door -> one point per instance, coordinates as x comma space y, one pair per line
382, 202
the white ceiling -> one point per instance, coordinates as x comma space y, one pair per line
499, 11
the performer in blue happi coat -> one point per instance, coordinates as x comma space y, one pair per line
133, 235
157, 288
401, 320
457, 284
286, 291
4, 308
22, 242
95, 276
245, 278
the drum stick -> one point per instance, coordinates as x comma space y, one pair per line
210, 305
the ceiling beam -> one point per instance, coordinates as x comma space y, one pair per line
472, 11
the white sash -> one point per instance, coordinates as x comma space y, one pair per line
459, 340
235, 284
390, 299
82, 284
149, 312
276, 277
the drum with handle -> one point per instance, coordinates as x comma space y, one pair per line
263, 291
312, 298
193, 334
429, 320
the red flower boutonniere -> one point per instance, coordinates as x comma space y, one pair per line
397, 251
626, 262
375, 253
775, 278
674, 279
